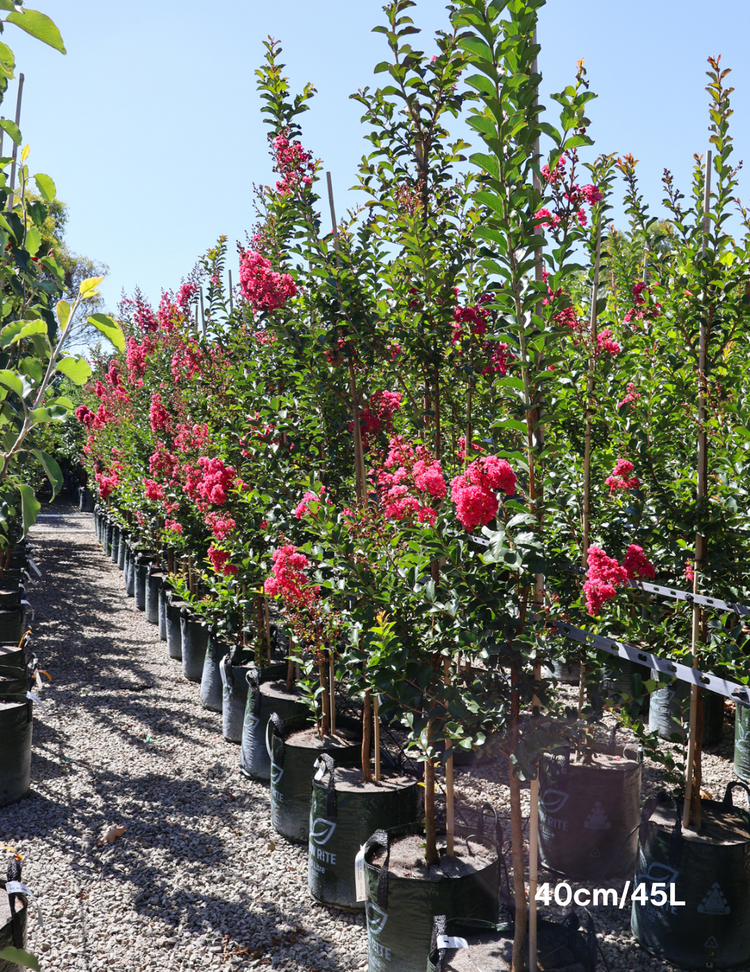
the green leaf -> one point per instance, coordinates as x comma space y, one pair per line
46, 186
19, 330
11, 380
30, 506
76, 368
19, 957
12, 129
33, 240
63, 313
109, 328
87, 287
7, 61
51, 469
38, 25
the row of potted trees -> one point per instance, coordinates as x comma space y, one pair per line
412, 444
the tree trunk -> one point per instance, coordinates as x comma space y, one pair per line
430, 832
366, 738
516, 836
325, 718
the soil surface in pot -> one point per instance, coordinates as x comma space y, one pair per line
717, 824
487, 954
278, 690
349, 778
606, 761
309, 739
407, 859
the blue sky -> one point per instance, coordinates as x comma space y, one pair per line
151, 128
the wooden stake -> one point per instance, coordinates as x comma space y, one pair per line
590, 402
691, 811
334, 224
15, 147
450, 815
376, 724
366, 738
268, 626
203, 311
332, 690
231, 300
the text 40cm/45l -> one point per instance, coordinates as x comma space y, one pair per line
657, 893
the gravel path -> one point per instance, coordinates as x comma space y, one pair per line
199, 879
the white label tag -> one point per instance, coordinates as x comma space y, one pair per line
38, 679
448, 941
15, 887
34, 568
28, 605
360, 881
321, 771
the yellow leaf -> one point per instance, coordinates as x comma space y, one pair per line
25, 152
88, 286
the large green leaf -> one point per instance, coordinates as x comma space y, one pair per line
11, 380
18, 330
76, 368
38, 25
19, 957
30, 506
109, 328
11, 129
7, 61
46, 186
51, 469
63, 313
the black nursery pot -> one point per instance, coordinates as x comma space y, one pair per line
669, 709
567, 672
13, 681
12, 625
174, 628
16, 722
742, 742
13, 656
85, 500
234, 697
617, 677
560, 945
263, 699
211, 684
11, 597
12, 926
123, 548
707, 872
114, 549
589, 815
142, 567
344, 812
154, 583
293, 756
401, 910
194, 641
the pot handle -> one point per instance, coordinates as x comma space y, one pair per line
634, 748
498, 838
325, 764
278, 727
381, 839
675, 843
727, 801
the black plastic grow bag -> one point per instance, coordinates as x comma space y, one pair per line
669, 709
401, 911
343, 814
194, 641
262, 700
705, 920
16, 723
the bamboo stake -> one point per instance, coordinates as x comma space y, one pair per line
203, 312
15, 147
692, 806
366, 738
334, 223
376, 726
268, 627
231, 303
332, 690
450, 814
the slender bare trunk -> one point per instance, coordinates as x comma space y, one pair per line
366, 738
430, 832
325, 699
516, 835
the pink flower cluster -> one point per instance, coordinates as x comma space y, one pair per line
288, 579
642, 310
303, 509
461, 450
85, 416
377, 416
294, 163
172, 526
153, 490
475, 317
416, 479
569, 199
136, 356
216, 481
186, 362
163, 463
604, 574
220, 561
185, 296
220, 526
106, 484
158, 415
605, 342
144, 316
475, 492
621, 478
264, 288
631, 396
191, 436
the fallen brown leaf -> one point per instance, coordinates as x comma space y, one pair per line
114, 832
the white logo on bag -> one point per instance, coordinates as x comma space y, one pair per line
597, 819
253, 721
276, 773
376, 919
322, 830
553, 800
714, 903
